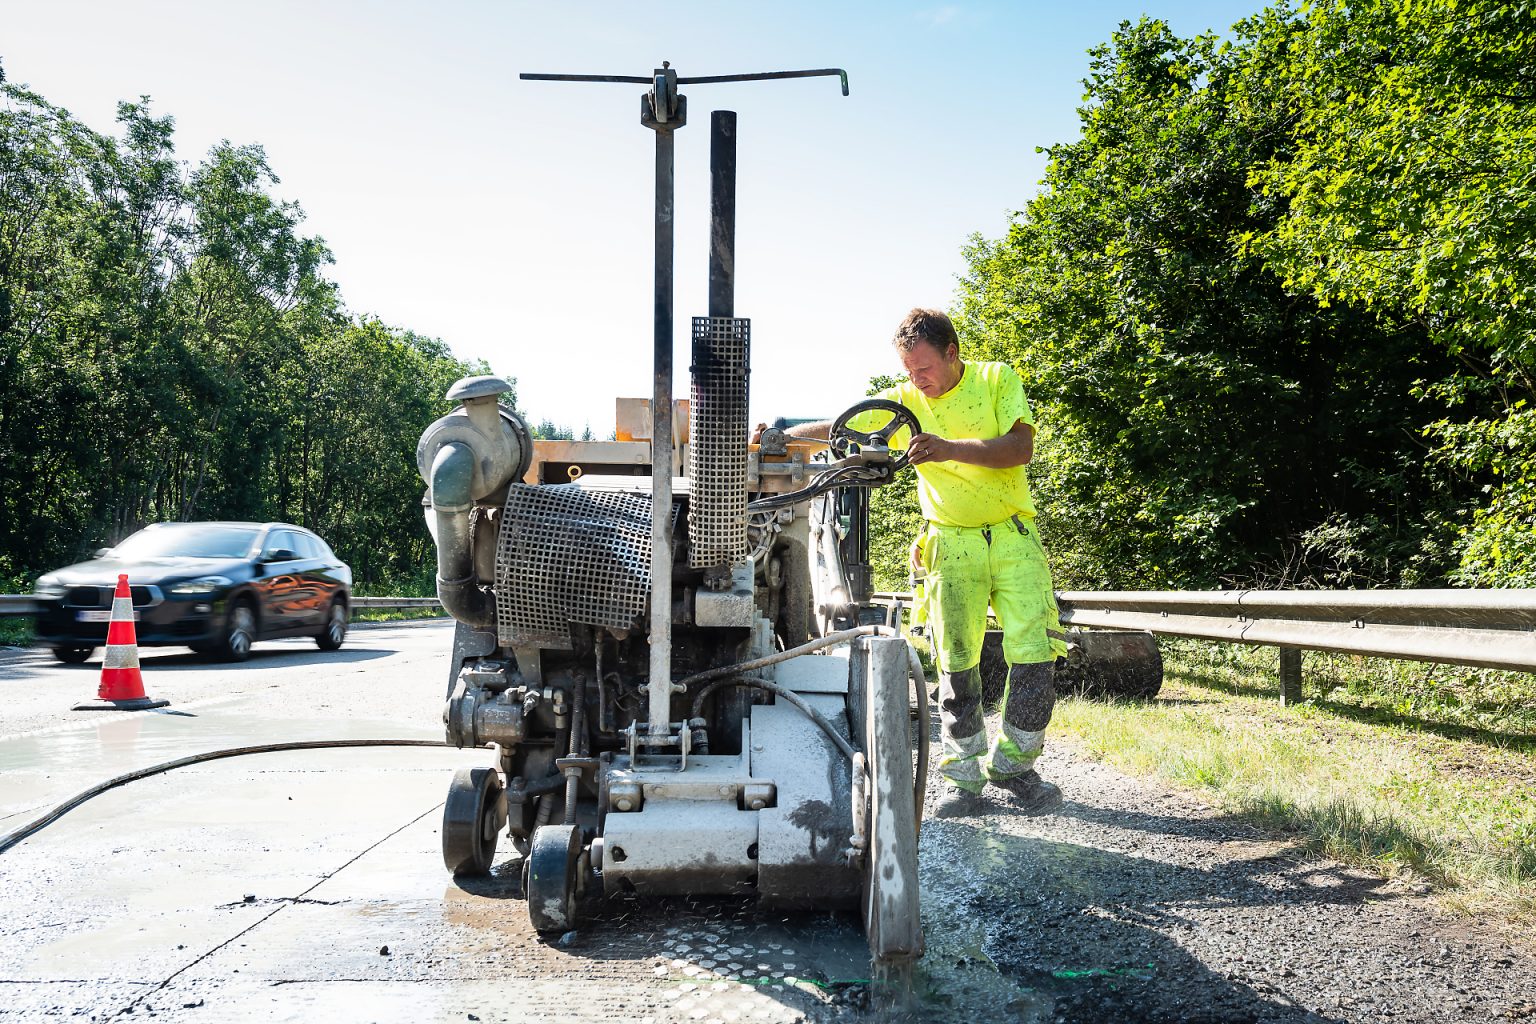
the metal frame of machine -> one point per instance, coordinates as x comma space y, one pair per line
674, 671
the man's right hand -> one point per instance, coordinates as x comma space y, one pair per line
916, 556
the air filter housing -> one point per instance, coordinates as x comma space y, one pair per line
717, 453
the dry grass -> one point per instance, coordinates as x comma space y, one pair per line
1429, 775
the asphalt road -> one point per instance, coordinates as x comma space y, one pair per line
310, 886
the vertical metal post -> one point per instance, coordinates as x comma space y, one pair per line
722, 213
660, 682
1290, 675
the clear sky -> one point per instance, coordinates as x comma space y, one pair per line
514, 219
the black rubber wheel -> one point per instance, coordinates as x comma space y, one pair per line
239, 631
334, 631
472, 816
552, 878
74, 655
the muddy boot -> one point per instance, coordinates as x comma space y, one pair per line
958, 802
1030, 793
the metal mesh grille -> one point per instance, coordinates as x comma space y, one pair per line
568, 554
717, 453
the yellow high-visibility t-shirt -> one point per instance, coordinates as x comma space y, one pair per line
986, 403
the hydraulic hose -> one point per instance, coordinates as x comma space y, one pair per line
830, 640
915, 672
790, 697
11, 838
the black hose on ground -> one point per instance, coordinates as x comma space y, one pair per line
15, 836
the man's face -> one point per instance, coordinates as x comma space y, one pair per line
933, 372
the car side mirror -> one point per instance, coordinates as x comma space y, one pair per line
101, 552
279, 555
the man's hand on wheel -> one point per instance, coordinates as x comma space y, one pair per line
929, 448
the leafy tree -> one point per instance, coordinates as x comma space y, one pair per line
1200, 422
1409, 192
171, 349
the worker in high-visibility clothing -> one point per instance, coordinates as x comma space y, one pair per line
980, 547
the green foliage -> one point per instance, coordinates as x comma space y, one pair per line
1273, 307
170, 349
894, 519
1409, 191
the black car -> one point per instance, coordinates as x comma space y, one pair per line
213, 587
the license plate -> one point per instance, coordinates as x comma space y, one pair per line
99, 615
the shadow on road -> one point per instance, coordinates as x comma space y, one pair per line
1070, 933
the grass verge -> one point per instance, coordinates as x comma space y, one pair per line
1421, 771
397, 614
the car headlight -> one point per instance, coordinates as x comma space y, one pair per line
201, 585
48, 586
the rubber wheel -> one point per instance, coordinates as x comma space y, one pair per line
74, 655
472, 816
892, 910
335, 630
551, 882
239, 632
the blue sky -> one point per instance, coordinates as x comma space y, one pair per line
514, 219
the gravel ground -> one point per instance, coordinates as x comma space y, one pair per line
1136, 904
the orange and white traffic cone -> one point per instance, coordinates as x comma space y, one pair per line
122, 687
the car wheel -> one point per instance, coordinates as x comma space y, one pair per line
239, 632
74, 655
335, 631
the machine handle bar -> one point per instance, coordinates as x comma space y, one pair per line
700, 80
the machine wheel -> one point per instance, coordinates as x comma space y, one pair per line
472, 815
74, 655
239, 632
892, 916
335, 630
552, 878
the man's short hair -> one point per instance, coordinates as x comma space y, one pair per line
930, 325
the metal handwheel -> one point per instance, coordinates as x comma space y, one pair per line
843, 437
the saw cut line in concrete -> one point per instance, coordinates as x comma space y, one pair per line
282, 905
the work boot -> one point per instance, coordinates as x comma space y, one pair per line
958, 802
1030, 793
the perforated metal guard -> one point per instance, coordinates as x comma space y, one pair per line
717, 453
570, 554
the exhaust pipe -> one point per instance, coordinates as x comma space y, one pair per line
469, 456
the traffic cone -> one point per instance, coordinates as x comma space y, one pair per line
122, 687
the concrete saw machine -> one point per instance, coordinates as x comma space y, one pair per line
667, 639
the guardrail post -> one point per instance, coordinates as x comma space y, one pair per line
1290, 675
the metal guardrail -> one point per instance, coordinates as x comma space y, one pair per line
15, 605
394, 603
1477, 628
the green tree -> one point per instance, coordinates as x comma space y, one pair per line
1409, 192
1200, 422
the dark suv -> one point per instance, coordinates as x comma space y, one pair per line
213, 587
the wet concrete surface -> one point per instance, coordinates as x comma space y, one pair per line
310, 886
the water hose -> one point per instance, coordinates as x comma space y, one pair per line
15, 836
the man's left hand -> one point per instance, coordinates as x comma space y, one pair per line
929, 448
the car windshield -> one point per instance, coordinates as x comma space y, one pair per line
189, 540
